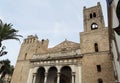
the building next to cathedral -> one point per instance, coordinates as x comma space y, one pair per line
89, 61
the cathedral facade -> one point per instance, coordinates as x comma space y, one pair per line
89, 61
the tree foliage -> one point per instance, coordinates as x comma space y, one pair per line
7, 32
6, 68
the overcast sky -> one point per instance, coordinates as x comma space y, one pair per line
55, 20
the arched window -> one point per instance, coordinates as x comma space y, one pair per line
66, 74
43, 41
40, 76
25, 41
96, 47
25, 56
94, 14
90, 15
100, 80
98, 68
94, 26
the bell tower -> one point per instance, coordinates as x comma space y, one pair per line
30, 46
95, 35
93, 18
94, 45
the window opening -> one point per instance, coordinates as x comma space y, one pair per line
94, 14
96, 47
94, 26
43, 41
100, 80
25, 56
99, 68
90, 15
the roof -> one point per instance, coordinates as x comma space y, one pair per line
65, 46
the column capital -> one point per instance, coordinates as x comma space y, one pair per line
73, 73
46, 73
58, 73
34, 74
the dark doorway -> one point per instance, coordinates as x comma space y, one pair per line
62, 81
65, 76
40, 75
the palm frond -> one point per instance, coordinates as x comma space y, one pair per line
7, 32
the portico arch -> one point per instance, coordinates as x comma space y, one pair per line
65, 75
52, 75
40, 76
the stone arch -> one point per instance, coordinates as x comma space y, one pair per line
90, 15
52, 75
94, 26
51, 67
40, 76
66, 66
35, 69
72, 68
58, 68
94, 14
65, 74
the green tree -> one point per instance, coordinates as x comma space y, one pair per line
7, 32
6, 68
1, 81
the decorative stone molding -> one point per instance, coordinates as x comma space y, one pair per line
54, 62
59, 55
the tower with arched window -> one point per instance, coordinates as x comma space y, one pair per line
93, 18
94, 44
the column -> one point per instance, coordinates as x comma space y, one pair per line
30, 77
73, 77
58, 77
79, 74
45, 79
34, 78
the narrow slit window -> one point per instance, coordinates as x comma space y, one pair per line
25, 56
90, 15
98, 68
94, 14
43, 41
100, 80
96, 47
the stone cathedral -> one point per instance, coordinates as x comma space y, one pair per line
89, 61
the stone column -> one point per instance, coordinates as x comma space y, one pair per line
73, 77
34, 78
45, 79
58, 77
79, 73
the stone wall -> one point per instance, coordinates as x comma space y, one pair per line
89, 68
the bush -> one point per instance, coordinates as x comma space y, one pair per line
1, 81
